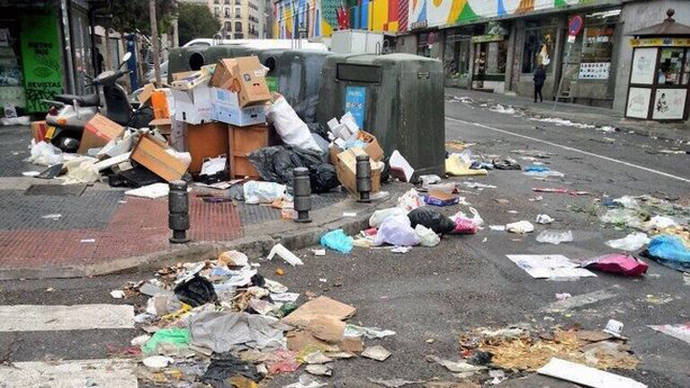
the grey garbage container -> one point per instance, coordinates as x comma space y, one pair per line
396, 97
186, 59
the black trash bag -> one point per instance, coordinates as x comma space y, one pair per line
432, 219
224, 366
196, 291
323, 178
275, 164
319, 129
506, 164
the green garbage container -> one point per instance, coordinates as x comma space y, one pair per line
396, 97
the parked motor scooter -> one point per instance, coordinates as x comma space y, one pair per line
75, 111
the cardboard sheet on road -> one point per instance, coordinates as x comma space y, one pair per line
549, 266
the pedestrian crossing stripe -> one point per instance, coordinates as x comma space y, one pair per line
15, 318
103, 373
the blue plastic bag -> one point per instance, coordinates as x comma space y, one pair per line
337, 240
670, 251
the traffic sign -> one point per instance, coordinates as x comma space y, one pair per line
575, 25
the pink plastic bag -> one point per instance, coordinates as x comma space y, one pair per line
618, 263
464, 226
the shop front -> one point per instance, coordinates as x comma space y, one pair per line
660, 76
489, 64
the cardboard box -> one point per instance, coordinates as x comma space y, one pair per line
162, 103
243, 141
226, 109
98, 132
206, 141
372, 148
193, 106
158, 158
145, 94
38, 130
244, 75
346, 169
190, 80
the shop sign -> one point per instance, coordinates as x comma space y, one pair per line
660, 42
419, 25
40, 49
487, 38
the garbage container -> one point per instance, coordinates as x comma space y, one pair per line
186, 59
396, 97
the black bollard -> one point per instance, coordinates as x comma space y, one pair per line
302, 194
178, 208
363, 175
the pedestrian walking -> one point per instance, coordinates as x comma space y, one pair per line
539, 78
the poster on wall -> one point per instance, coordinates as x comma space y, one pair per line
595, 70
669, 104
638, 103
40, 58
355, 102
644, 62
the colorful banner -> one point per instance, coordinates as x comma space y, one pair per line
40, 48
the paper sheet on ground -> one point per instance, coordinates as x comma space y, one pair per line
549, 266
584, 375
680, 331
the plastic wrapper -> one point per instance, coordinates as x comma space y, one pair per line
617, 263
555, 236
631, 242
45, 154
427, 237
379, 216
263, 192
520, 227
431, 219
337, 240
476, 218
410, 200
396, 231
81, 170
464, 226
289, 126
175, 336
670, 251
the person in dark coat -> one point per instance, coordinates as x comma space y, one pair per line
539, 78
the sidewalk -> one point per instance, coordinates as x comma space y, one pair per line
580, 113
103, 231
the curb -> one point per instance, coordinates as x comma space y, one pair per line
255, 246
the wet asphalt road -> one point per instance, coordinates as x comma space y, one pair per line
466, 281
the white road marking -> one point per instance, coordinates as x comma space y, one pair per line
68, 374
573, 150
77, 317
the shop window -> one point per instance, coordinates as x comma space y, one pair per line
686, 69
456, 55
538, 49
670, 66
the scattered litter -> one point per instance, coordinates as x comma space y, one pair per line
377, 352
31, 173
498, 108
579, 301
498, 228
555, 236
319, 370
88, 240
614, 327
431, 219
396, 231
544, 219
284, 254
337, 240
617, 263
401, 249
520, 227
369, 332
408, 202
379, 216
497, 376
458, 166
550, 190
319, 252
349, 214
54, 216
256, 192
584, 375
400, 167
440, 198
562, 122
157, 362
117, 294
306, 381
549, 266
455, 366
631, 242
174, 336
429, 180
140, 340
680, 331
670, 251
152, 191
477, 185
394, 383
427, 237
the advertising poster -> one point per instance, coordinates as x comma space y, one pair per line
638, 103
355, 100
41, 58
644, 62
669, 104
595, 70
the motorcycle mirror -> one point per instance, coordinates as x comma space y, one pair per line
126, 57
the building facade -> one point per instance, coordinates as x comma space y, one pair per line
240, 19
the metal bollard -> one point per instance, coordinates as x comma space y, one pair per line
178, 208
302, 194
363, 178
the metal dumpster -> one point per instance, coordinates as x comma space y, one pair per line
396, 97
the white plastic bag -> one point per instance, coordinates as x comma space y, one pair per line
45, 154
82, 170
289, 126
379, 216
396, 231
427, 237
520, 227
631, 242
262, 192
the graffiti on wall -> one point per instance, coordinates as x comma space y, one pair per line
401, 15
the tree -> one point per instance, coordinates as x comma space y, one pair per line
133, 15
195, 21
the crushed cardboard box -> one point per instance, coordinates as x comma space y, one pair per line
346, 169
159, 158
98, 132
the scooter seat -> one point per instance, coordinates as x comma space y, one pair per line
86, 100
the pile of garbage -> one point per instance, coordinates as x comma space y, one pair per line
221, 127
222, 323
660, 226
